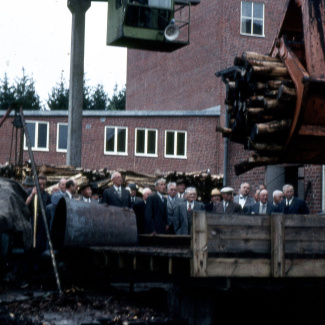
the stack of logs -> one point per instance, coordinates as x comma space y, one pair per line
101, 179
260, 99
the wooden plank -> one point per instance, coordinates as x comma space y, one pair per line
304, 248
226, 246
199, 243
316, 234
238, 220
277, 245
238, 267
234, 232
242, 267
305, 221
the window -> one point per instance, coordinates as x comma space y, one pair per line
146, 142
62, 137
175, 144
115, 140
252, 18
38, 135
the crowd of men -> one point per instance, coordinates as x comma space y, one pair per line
166, 210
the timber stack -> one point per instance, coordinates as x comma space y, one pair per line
260, 99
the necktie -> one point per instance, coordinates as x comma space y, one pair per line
119, 192
189, 207
225, 207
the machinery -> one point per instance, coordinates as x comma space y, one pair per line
276, 103
156, 25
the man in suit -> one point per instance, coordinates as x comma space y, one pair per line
70, 189
184, 211
117, 195
277, 197
243, 198
133, 194
180, 183
291, 204
215, 199
156, 210
227, 205
172, 202
139, 209
86, 193
263, 206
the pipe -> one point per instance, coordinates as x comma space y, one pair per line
81, 224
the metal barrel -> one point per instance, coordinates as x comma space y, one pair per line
80, 224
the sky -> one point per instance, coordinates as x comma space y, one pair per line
36, 35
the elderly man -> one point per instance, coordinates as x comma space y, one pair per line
139, 209
156, 210
277, 197
117, 195
227, 205
70, 189
263, 206
86, 193
243, 198
184, 211
215, 199
172, 202
291, 204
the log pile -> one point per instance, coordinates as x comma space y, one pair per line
101, 179
260, 99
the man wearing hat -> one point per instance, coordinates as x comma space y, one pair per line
133, 194
28, 182
86, 193
215, 199
227, 205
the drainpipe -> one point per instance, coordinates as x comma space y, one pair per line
225, 153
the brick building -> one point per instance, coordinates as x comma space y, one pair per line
175, 102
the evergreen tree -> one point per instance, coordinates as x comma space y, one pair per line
117, 102
86, 97
25, 94
99, 99
7, 94
59, 98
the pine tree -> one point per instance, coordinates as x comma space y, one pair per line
7, 95
25, 94
99, 99
59, 98
118, 100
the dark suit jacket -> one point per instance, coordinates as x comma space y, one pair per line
180, 217
156, 214
249, 201
255, 208
111, 197
232, 208
139, 209
137, 199
297, 206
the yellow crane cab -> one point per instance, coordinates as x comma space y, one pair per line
156, 25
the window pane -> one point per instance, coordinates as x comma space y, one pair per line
121, 137
258, 27
180, 144
63, 137
170, 143
151, 145
258, 10
247, 9
140, 141
31, 133
42, 135
110, 135
246, 26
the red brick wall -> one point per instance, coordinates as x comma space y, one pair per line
202, 144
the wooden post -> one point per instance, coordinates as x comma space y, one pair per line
199, 244
277, 246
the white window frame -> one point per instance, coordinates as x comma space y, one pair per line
36, 148
115, 152
58, 137
252, 19
145, 154
175, 156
